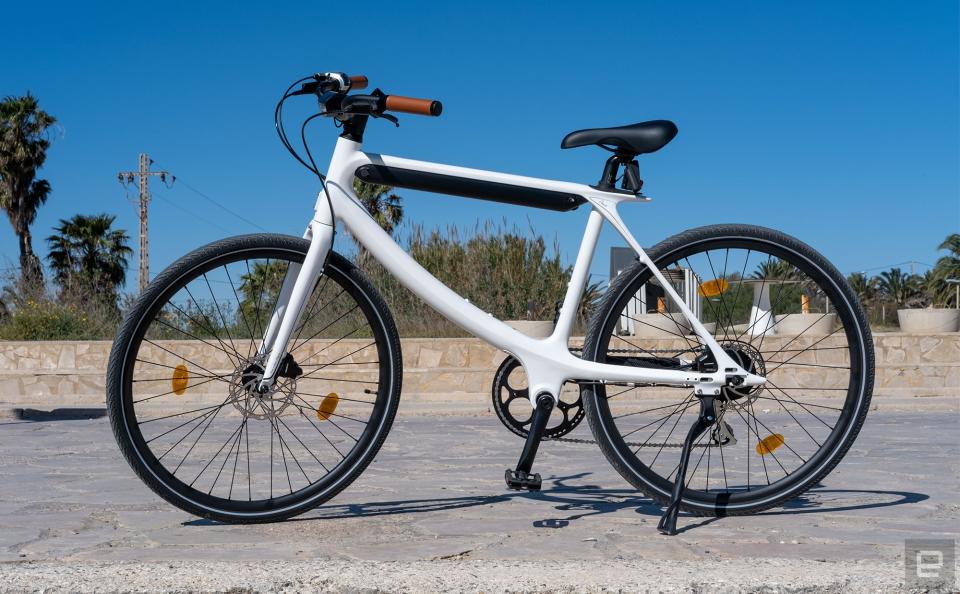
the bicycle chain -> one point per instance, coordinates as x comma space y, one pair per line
645, 351
630, 444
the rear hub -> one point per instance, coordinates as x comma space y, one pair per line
749, 358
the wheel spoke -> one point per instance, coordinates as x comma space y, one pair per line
266, 436
782, 283
208, 326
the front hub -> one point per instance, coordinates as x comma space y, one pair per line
250, 401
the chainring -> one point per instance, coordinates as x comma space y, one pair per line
505, 393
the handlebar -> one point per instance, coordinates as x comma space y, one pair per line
358, 82
428, 107
332, 90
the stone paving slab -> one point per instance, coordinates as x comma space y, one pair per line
432, 514
456, 575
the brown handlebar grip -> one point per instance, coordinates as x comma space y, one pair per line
358, 82
427, 107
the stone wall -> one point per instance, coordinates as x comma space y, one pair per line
53, 374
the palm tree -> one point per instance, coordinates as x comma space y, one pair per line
24, 142
946, 267
898, 286
260, 289
382, 204
588, 302
864, 287
88, 257
776, 269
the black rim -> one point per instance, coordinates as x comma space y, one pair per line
821, 415
308, 456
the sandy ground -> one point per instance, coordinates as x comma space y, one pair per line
432, 514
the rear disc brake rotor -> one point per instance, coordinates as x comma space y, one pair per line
750, 359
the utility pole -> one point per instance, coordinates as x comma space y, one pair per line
142, 176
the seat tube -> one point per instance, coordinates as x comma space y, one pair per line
578, 278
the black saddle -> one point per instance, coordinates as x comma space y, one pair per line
645, 137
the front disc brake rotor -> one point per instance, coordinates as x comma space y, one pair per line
246, 399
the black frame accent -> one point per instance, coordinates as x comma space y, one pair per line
470, 188
353, 127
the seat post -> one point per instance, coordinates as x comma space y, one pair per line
608, 181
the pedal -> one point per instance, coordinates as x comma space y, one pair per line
518, 480
522, 478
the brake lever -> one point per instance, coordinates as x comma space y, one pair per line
388, 117
308, 88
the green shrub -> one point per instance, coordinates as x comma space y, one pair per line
47, 320
499, 269
34, 313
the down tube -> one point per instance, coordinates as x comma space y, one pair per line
422, 283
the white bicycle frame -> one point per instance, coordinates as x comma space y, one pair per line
548, 362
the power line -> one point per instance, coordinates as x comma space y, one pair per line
195, 215
220, 206
912, 263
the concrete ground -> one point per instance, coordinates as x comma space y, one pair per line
432, 514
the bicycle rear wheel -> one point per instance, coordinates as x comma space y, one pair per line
184, 364
782, 311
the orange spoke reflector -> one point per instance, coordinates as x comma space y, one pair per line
327, 406
713, 288
180, 379
769, 444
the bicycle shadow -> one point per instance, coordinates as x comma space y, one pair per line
27, 415
586, 500
816, 500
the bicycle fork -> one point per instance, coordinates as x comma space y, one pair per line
297, 286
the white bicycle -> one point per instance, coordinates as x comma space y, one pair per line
257, 376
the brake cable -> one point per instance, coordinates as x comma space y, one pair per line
281, 132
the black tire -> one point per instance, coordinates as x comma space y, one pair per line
124, 367
727, 500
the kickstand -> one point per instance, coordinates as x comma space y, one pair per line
521, 478
668, 523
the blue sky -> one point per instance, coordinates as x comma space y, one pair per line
833, 121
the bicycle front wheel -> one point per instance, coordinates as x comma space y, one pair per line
182, 373
778, 308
